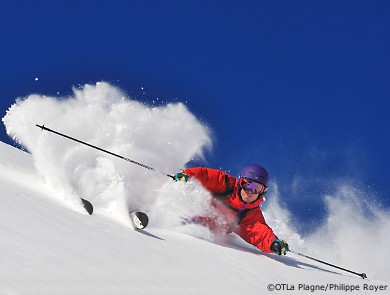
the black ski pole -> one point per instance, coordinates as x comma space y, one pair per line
362, 275
43, 127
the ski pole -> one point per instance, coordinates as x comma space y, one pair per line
362, 275
43, 127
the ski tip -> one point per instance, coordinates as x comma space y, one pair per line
139, 220
88, 206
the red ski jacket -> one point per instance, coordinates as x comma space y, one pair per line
248, 216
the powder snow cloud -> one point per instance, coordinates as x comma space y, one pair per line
164, 137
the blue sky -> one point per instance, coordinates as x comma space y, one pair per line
298, 86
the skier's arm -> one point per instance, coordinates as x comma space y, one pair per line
254, 230
213, 180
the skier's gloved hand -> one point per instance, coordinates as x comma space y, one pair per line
279, 246
181, 176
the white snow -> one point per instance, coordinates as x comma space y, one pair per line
49, 245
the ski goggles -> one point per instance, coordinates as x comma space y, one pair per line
253, 186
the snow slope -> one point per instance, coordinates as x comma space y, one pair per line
49, 246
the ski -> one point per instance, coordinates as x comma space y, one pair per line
139, 220
88, 206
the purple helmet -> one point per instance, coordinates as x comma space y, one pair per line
256, 173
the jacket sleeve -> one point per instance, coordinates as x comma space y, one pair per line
254, 230
213, 180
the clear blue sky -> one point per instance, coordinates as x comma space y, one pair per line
299, 86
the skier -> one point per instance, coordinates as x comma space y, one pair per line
239, 201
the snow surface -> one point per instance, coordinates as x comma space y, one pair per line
49, 245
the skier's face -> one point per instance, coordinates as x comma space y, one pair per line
248, 196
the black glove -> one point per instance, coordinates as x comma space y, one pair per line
181, 176
279, 247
